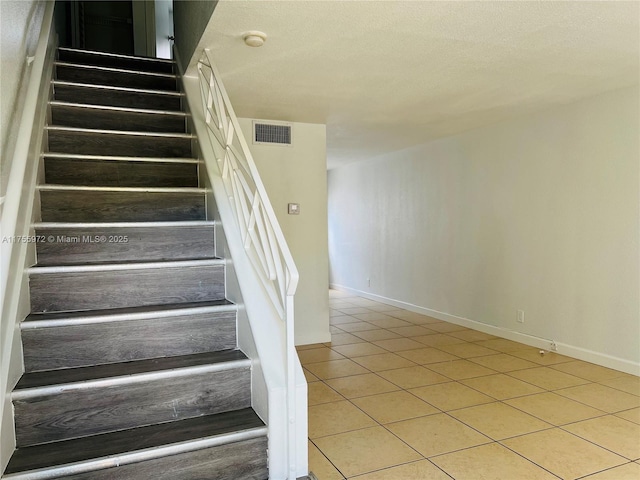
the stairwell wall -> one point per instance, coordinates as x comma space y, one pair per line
20, 25
26, 31
539, 214
190, 19
297, 174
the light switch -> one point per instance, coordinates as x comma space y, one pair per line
294, 209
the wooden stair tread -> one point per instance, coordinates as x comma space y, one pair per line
117, 118
99, 75
82, 374
107, 59
115, 158
103, 108
112, 68
75, 92
131, 133
114, 88
33, 317
120, 262
96, 446
91, 141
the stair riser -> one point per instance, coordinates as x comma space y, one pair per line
142, 65
70, 73
92, 143
97, 206
246, 460
142, 244
60, 292
140, 444
103, 173
114, 98
74, 413
128, 340
82, 117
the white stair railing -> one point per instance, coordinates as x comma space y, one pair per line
262, 236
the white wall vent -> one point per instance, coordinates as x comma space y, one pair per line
272, 133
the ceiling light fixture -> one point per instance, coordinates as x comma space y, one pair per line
254, 38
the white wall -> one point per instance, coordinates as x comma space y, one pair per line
297, 174
164, 28
20, 23
190, 19
539, 213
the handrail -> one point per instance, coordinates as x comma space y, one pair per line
262, 236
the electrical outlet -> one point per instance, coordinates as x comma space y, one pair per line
553, 346
293, 209
520, 318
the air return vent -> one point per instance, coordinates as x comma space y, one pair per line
272, 133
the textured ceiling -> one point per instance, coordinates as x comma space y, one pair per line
385, 75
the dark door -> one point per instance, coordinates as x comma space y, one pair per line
98, 25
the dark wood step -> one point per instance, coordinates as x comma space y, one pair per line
69, 72
52, 378
107, 142
116, 96
60, 289
105, 337
121, 206
103, 171
130, 311
103, 59
76, 451
116, 118
146, 242
246, 460
64, 404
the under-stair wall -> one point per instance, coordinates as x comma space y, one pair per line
261, 332
245, 338
260, 379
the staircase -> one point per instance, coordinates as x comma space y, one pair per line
132, 369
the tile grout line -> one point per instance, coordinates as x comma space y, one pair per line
328, 460
508, 374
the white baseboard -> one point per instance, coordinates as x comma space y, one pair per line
311, 338
573, 351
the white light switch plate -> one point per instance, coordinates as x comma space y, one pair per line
294, 209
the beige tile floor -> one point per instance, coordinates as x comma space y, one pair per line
402, 396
